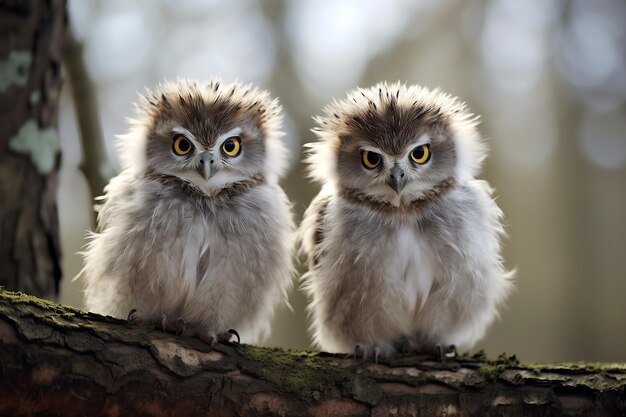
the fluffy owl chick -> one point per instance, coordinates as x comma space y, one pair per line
403, 242
196, 229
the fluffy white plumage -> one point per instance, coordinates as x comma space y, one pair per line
401, 264
201, 236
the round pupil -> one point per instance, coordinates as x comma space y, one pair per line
183, 145
418, 153
229, 146
372, 158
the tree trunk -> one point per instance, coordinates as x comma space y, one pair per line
57, 360
30, 80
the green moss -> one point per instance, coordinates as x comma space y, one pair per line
491, 370
68, 319
286, 369
575, 367
22, 298
309, 375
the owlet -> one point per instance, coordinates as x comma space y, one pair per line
195, 233
403, 242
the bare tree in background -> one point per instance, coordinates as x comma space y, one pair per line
31, 40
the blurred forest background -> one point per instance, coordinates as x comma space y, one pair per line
548, 78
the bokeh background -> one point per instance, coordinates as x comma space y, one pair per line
548, 78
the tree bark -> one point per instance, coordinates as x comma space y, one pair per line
30, 80
57, 360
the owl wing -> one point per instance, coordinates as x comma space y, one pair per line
116, 191
312, 228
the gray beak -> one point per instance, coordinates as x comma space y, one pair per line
397, 179
206, 169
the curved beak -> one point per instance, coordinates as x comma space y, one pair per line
206, 169
397, 179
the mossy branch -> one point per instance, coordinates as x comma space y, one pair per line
57, 360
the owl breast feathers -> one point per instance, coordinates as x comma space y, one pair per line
195, 229
403, 242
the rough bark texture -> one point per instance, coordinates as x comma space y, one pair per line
57, 360
31, 37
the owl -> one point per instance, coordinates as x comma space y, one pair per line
402, 242
195, 234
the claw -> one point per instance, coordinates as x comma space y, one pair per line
448, 353
212, 341
182, 326
451, 352
376, 354
234, 333
163, 323
367, 352
133, 317
362, 351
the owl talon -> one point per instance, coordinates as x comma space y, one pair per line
376, 354
443, 354
370, 352
212, 341
133, 317
357, 351
451, 352
361, 351
209, 338
178, 329
236, 334
182, 326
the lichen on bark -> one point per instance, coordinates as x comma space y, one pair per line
51, 352
41, 145
14, 69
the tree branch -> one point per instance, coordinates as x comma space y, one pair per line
95, 165
57, 360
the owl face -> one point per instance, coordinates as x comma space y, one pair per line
393, 143
419, 158
209, 134
208, 155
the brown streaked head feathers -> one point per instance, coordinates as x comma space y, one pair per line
391, 118
210, 108
207, 115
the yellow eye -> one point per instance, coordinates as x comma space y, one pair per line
370, 160
421, 154
232, 146
181, 145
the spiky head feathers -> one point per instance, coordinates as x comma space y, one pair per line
206, 110
391, 118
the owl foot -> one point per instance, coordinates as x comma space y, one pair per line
234, 332
442, 352
211, 338
446, 352
182, 326
178, 328
134, 317
366, 352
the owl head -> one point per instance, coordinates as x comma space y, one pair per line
209, 134
393, 142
